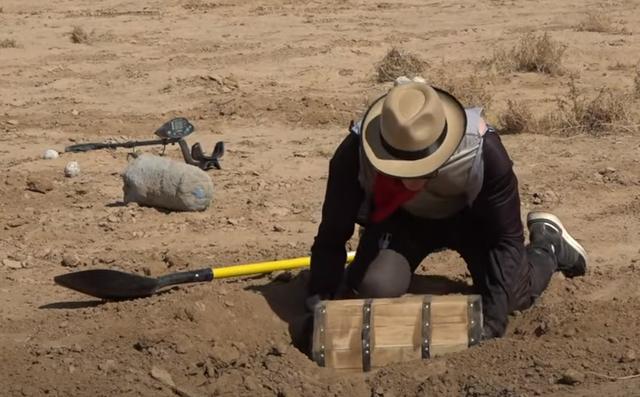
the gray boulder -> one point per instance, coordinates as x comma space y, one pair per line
164, 183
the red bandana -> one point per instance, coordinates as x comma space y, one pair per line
388, 195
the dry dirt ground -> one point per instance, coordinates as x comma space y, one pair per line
279, 81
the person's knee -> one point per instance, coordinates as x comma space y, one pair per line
388, 276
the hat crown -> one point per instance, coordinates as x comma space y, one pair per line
412, 117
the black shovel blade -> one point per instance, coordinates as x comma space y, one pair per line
108, 284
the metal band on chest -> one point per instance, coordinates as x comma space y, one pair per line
366, 335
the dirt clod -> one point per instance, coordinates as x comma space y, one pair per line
571, 377
39, 184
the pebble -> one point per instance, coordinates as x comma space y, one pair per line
39, 184
162, 375
571, 377
278, 228
70, 261
607, 170
628, 357
72, 169
12, 122
224, 354
107, 366
250, 383
50, 154
279, 349
11, 264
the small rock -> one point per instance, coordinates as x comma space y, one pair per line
539, 363
224, 354
75, 112
216, 78
107, 366
250, 383
12, 122
70, 261
72, 169
300, 154
279, 349
607, 171
571, 377
542, 329
278, 228
613, 339
39, 184
161, 374
50, 154
378, 391
11, 264
537, 198
628, 357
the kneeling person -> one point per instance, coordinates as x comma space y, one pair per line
421, 173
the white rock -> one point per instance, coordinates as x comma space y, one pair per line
162, 375
11, 264
71, 169
50, 154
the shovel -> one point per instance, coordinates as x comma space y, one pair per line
117, 285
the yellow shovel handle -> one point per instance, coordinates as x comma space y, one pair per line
266, 267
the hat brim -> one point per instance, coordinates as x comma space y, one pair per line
387, 164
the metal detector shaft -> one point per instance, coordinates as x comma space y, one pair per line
85, 147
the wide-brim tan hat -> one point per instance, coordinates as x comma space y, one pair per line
412, 130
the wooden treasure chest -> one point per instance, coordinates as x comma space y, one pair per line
361, 334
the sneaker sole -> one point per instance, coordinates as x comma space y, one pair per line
534, 217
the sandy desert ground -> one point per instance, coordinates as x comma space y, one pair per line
278, 81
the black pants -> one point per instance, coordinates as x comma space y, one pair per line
415, 238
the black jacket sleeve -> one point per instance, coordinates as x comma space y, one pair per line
497, 207
342, 201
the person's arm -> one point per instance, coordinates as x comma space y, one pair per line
342, 201
498, 208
